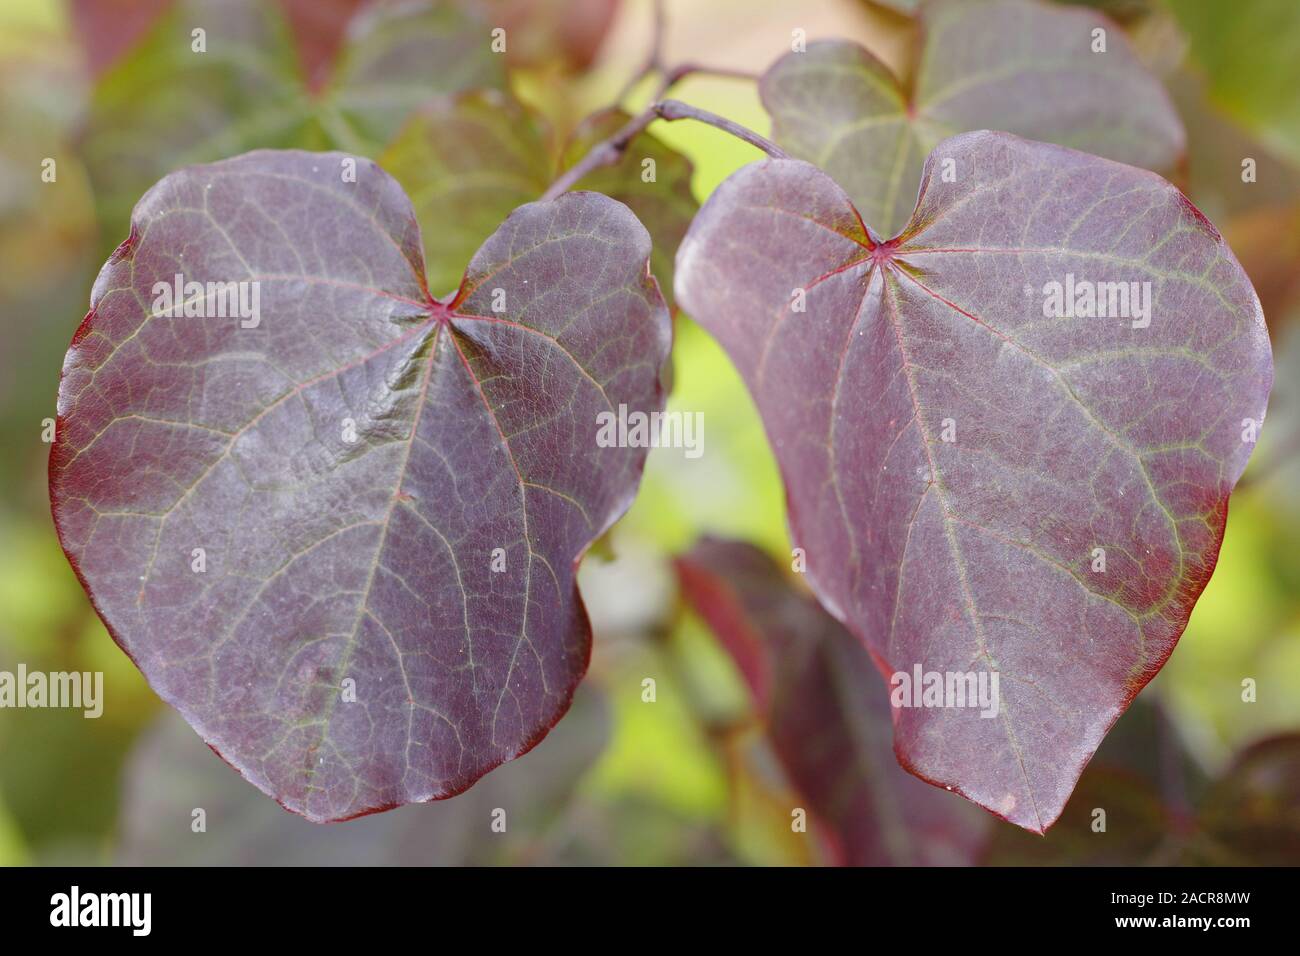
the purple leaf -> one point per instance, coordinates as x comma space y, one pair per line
825, 712
1133, 805
1027, 68
364, 489
982, 487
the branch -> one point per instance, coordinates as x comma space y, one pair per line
654, 63
676, 110
611, 150
678, 73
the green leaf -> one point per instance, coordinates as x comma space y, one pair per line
468, 160
1250, 53
165, 105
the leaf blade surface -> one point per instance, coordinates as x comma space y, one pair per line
1070, 433
386, 488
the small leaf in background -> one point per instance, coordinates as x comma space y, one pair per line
1011, 65
565, 33
352, 488
165, 105
107, 29
986, 481
467, 160
826, 715
171, 774
318, 28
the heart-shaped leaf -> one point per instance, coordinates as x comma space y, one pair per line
1008, 436
168, 103
338, 530
825, 713
1026, 68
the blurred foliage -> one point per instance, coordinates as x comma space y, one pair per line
691, 777
1251, 54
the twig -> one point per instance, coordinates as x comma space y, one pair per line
676, 110
611, 150
654, 63
682, 71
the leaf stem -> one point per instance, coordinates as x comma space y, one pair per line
654, 63
676, 110
611, 150
683, 70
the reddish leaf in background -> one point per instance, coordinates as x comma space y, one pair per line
108, 29
567, 32
1162, 810
386, 489
957, 461
318, 27
1251, 816
825, 713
